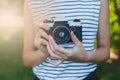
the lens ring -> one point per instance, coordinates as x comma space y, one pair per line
61, 38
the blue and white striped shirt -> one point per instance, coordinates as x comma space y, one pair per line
85, 10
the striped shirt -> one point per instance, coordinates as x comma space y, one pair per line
85, 10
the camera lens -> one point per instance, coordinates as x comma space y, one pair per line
61, 34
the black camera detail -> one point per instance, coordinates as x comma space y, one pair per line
60, 30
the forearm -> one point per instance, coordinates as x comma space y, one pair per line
33, 58
103, 51
100, 55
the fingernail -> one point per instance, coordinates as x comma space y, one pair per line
71, 32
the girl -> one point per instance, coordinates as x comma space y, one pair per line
79, 62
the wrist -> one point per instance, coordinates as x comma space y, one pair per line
85, 57
89, 57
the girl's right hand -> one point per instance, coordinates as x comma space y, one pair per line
41, 37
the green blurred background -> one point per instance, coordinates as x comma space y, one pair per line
11, 43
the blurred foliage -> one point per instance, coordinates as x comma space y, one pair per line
11, 46
115, 25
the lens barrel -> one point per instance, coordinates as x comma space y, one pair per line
61, 34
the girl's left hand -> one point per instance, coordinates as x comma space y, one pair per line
78, 53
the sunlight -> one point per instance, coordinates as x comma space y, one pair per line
10, 24
9, 19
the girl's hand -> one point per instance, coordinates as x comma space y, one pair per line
78, 52
41, 37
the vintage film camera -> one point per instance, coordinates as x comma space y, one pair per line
60, 30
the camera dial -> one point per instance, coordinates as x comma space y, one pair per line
73, 29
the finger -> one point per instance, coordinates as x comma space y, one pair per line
47, 18
74, 38
50, 44
51, 53
55, 47
43, 42
38, 42
58, 62
55, 52
63, 56
42, 25
54, 63
42, 34
63, 53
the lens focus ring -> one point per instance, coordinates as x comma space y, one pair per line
61, 34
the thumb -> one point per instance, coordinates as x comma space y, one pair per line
74, 38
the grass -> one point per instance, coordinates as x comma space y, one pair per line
11, 63
12, 67
108, 71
